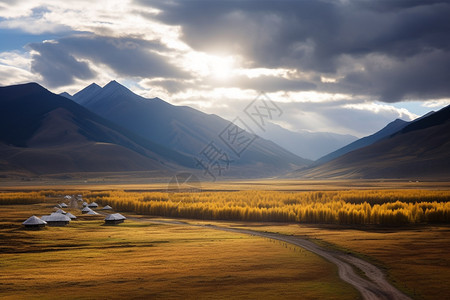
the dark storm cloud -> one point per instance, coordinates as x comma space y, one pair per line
314, 36
425, 75
57, 67
127, 56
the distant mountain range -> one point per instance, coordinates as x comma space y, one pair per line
387, 131
418, 150
390, 129
116, 103
185, 130
113, 130
311, 145
42, 133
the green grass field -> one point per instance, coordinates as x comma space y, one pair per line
136, 260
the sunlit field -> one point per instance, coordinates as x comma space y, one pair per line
405, 232
137, 260
415, 258
103, 182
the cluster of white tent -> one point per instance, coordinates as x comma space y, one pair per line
62, 218
88, 208
58, 218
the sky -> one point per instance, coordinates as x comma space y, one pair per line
348, 66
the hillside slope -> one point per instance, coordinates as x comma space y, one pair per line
419, 150
43, 133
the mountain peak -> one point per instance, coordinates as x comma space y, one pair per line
66, 95
398, 120
87, 93
93, 85
113, 85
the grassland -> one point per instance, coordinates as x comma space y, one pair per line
414, 252
136, 260
161, 184
415, 258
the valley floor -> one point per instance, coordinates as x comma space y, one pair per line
136, 260
164, 258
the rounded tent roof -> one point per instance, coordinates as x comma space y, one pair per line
93, 204
114, 217
86, 209
55, 217
33, 220
107, 207
60, 211
71, 216
91, 212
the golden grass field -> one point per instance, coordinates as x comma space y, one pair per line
136, 260
415, 258
164, 261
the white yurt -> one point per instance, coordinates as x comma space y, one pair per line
60, 211
34, 222
114, 219
56, 219
72, 217
93, 205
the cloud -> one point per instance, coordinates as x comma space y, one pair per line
329, 63
14, 69
323, 36
35, 21
61, 62
57, 66
301, 110
266, 83
422, 76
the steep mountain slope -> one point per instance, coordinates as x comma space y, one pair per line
419, 150
43, 133
388, 130
184, 129
311, 145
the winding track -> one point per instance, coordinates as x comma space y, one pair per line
374, 287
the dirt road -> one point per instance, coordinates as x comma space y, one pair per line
373, 286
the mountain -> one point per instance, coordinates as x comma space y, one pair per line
188, 131
43, 133
311, 145
420, 150
66, 95
388, 130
